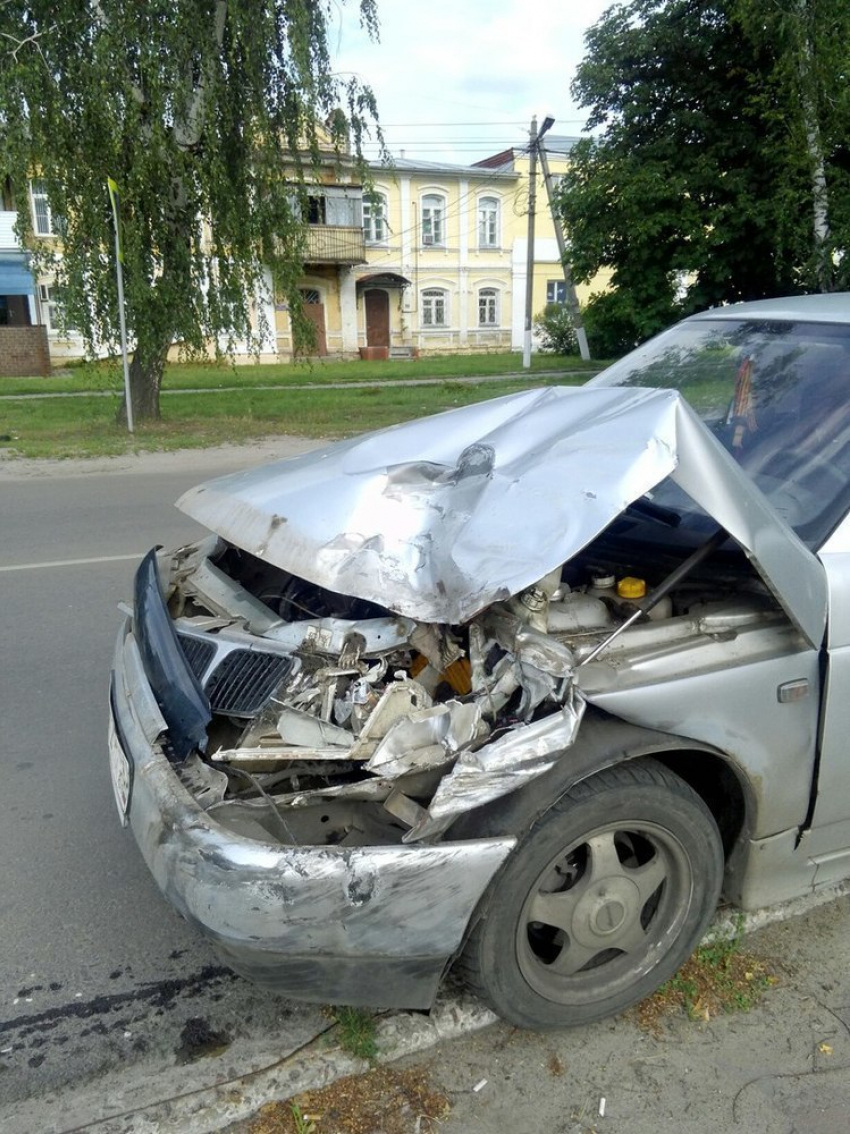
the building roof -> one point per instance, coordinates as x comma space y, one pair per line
415, 165
504, 160
500, 164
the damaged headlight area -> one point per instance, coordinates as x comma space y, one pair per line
334, 722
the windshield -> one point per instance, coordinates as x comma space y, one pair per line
775, 394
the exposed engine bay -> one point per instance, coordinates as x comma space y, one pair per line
338, 722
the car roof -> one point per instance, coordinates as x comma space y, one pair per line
831, 308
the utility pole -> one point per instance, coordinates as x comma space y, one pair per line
529, 260
572, 298
115, 201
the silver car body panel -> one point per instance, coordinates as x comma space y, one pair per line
766, 740
499, 495
298, 917
831, 825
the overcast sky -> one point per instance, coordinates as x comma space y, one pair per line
457, 80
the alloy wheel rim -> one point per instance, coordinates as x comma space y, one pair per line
603, 912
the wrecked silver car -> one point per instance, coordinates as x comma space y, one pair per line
523, 687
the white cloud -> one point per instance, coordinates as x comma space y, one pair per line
461, 63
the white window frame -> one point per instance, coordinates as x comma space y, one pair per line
488, 307
375, 227
554, 289
488, 222
42, 214
435, 308
433, 226
52, 309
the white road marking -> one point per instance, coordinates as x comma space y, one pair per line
71, 562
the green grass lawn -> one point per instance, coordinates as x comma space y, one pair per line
85, 426
217, 376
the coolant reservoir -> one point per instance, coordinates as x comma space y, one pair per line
577, 611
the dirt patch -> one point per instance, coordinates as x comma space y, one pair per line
198, 1039
384, 1099
719, 978
230, 457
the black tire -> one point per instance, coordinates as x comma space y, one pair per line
602, 901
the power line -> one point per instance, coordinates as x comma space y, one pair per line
425, 125
519, 125
477, 139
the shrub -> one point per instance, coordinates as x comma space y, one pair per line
555, 329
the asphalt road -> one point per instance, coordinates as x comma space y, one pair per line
96, 968
98, 974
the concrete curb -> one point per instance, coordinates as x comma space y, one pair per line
315, 1065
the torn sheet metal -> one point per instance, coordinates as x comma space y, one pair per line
427, 738
397, 702
499, 495
300, 728
502, 766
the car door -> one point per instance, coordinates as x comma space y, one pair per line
829, 839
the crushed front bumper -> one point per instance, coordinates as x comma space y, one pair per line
373, 926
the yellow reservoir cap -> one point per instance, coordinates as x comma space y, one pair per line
631, 588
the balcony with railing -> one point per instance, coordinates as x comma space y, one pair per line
334, 244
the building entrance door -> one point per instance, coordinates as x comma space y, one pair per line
377, 318
314, 310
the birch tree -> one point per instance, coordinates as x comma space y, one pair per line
811, 47
718, 167
207, 113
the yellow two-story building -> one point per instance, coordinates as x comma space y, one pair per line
442, 258
432, 259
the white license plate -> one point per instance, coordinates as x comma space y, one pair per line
119, 765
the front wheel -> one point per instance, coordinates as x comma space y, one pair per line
602, 901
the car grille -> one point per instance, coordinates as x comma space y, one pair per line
240, 682
244, 680
198, 653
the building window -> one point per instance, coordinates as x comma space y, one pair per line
316, 210
488, 307
488, 222
311, 295
41, 212
435, 308
375, 219
53, 310
556, 291
433, 219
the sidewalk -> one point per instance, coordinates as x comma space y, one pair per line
354, 384
780, 1068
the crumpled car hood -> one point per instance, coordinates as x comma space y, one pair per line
440, 517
